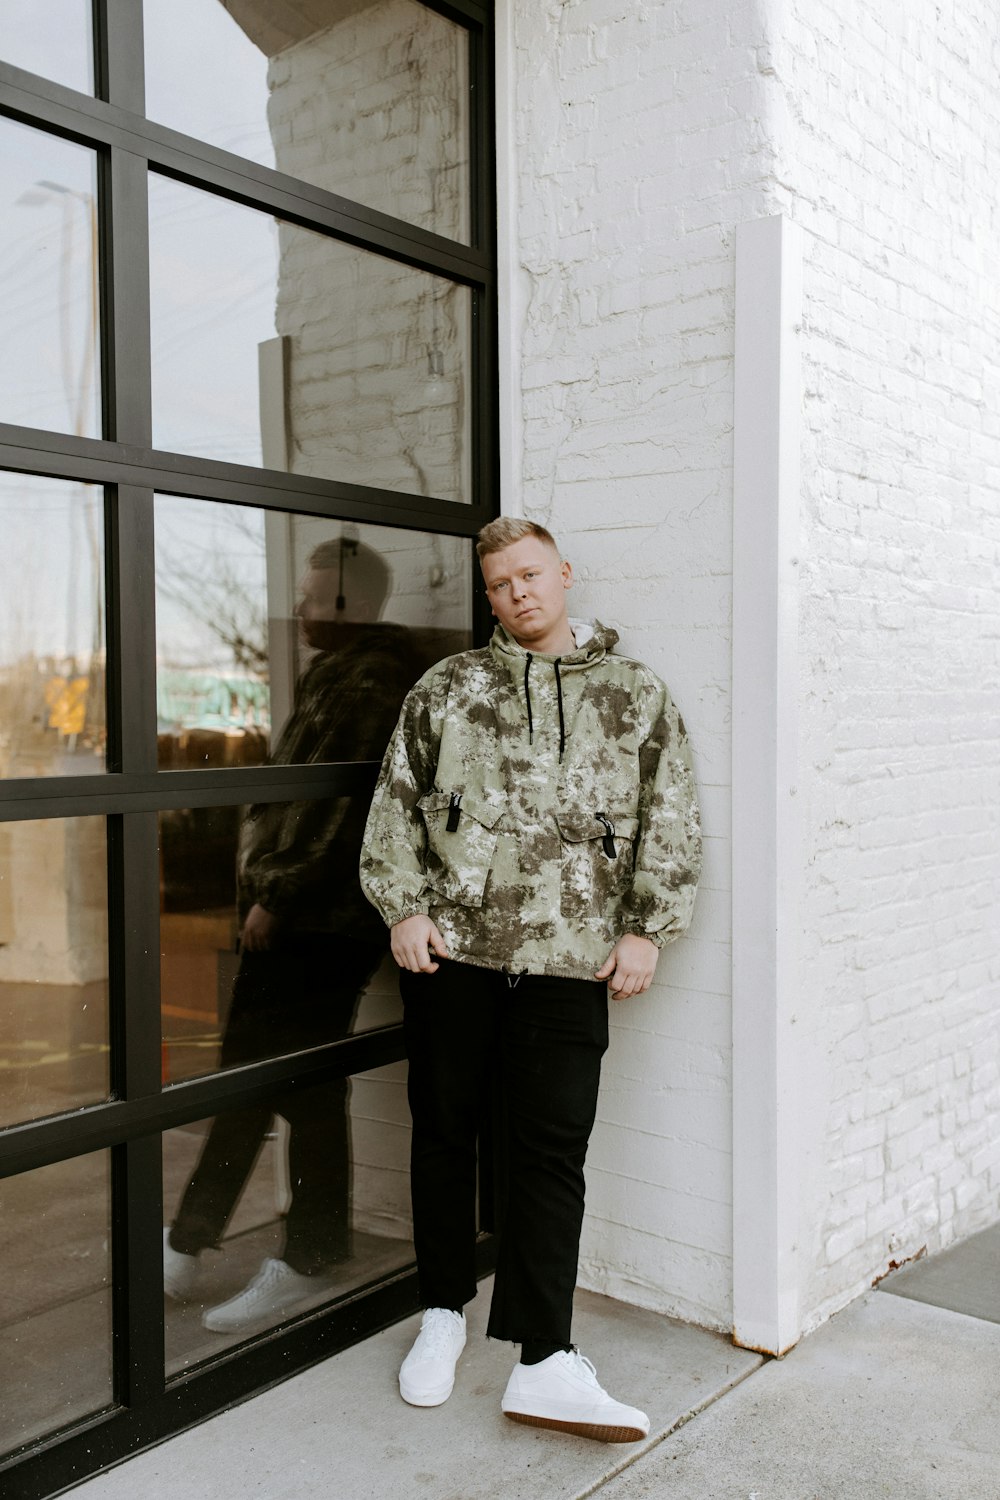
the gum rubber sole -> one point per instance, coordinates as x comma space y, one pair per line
593, 1430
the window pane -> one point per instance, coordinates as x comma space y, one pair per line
53, 966
284, 875
366, 98
274, 345
55, 1306
316, 1178
51, 38
52, 644
49, 363
292, 638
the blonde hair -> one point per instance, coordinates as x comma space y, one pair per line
505, 531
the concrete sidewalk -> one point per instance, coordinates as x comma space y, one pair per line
341, 1430
891, 1398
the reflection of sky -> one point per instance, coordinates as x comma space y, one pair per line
191, 47
213, 280
46, 379
213, 264
50, 37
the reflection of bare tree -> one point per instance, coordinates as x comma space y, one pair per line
209, 581
217, 599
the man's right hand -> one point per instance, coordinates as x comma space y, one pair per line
411, 942
259, 929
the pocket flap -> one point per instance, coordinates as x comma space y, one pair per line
577, 827
486, 813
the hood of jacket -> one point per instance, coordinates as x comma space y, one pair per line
596, 640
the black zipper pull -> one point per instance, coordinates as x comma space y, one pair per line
608, 840
454, 812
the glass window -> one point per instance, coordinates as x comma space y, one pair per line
308, 1197
53, 966
55, 1323
49, 318
278, 346
267, 942
51, 38
368, 100
292, 639
52, 642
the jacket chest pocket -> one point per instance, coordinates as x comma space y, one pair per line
598, 857
461, 844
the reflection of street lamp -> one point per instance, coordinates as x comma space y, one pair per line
43, 192
79, 391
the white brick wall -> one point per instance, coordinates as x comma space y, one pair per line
638, 146
637, 136
889, 157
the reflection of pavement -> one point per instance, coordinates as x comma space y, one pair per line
55, 1298
53, 1048
228, 1273
84, 762
254, 1233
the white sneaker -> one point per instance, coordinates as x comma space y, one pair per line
181, 1273
563, 1392
427, 1374
275, 1288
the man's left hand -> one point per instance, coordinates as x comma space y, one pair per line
630, 966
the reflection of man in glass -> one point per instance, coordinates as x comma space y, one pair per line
310, 942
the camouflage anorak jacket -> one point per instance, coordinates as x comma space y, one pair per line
536, 808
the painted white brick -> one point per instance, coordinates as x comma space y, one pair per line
642, 137
624, 231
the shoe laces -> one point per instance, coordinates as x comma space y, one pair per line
271, 1274
437, 1329
583, 1367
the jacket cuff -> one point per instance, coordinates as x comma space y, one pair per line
404, 912
658, 939
274, 896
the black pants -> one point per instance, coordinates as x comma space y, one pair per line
299, 993
535, 1048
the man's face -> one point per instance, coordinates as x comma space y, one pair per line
317, 604
526, 585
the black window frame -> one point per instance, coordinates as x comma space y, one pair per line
130, 794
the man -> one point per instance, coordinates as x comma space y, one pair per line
309, 944
533, 842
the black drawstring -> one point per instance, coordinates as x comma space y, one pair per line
527, 698
513, 980
562, 721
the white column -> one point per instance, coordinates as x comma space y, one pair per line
766, 841
513, 286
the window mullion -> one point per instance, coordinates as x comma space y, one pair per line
138, 1316
125, 299
118, 53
